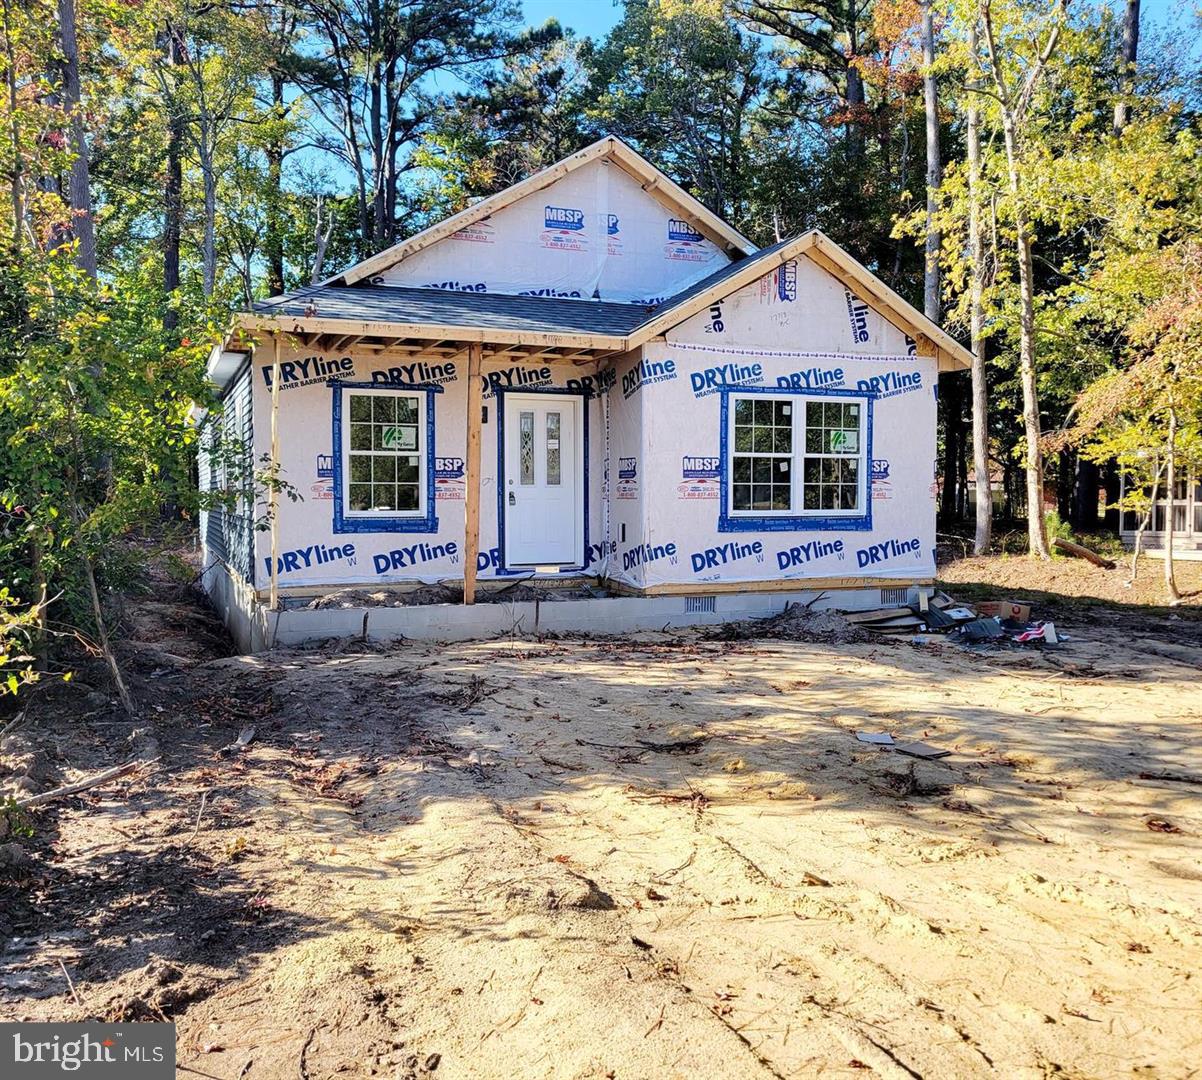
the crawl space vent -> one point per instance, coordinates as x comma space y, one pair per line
894, 596
698, 605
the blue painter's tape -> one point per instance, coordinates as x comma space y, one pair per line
344, 523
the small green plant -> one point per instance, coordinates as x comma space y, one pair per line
1058, 528
17, 821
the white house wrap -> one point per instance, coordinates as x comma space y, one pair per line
662, 407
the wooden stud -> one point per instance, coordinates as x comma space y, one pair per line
471, 505
273, 495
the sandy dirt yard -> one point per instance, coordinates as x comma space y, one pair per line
667, 857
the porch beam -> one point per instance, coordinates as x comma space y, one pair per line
471, 505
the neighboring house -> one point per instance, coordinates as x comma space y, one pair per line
1187, 518
652, 402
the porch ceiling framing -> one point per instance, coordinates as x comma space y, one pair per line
421, 341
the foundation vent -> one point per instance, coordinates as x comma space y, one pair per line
894, 596
700, 605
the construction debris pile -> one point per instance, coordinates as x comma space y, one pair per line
993, 622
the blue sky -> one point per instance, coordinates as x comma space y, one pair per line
589, 18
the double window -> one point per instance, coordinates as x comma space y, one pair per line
791, 456
384, 459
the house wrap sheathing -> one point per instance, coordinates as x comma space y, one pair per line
657, 404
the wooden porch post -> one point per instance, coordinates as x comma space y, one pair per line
273, 494
471, 518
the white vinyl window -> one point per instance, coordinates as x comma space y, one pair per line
384, 454
797, 456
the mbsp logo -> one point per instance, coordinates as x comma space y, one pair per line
711, 380
887, 551
311, 369
448, 468
880, 469
786, 282
563, 217
681, 232
325, 466
611, 225
104, 1052
627, 468
647, 371
699, 468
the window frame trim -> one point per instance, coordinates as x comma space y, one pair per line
424, 519
796, 519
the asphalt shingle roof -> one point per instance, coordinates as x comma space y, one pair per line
490, 311
485, 311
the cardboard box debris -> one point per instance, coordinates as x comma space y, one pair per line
1015, 610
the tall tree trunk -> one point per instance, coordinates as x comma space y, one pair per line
1122, 107
273, 241
79, 186
208, 173
1011, 110
953, 434
1170, 505
930, 94
17, 175
1085, 495
855, 86
1036, 531
976, 320
173, 195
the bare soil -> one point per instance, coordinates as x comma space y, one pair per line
664, 857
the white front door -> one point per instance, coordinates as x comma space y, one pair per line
543, 497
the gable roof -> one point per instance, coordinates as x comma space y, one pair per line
399, 312
612, 149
